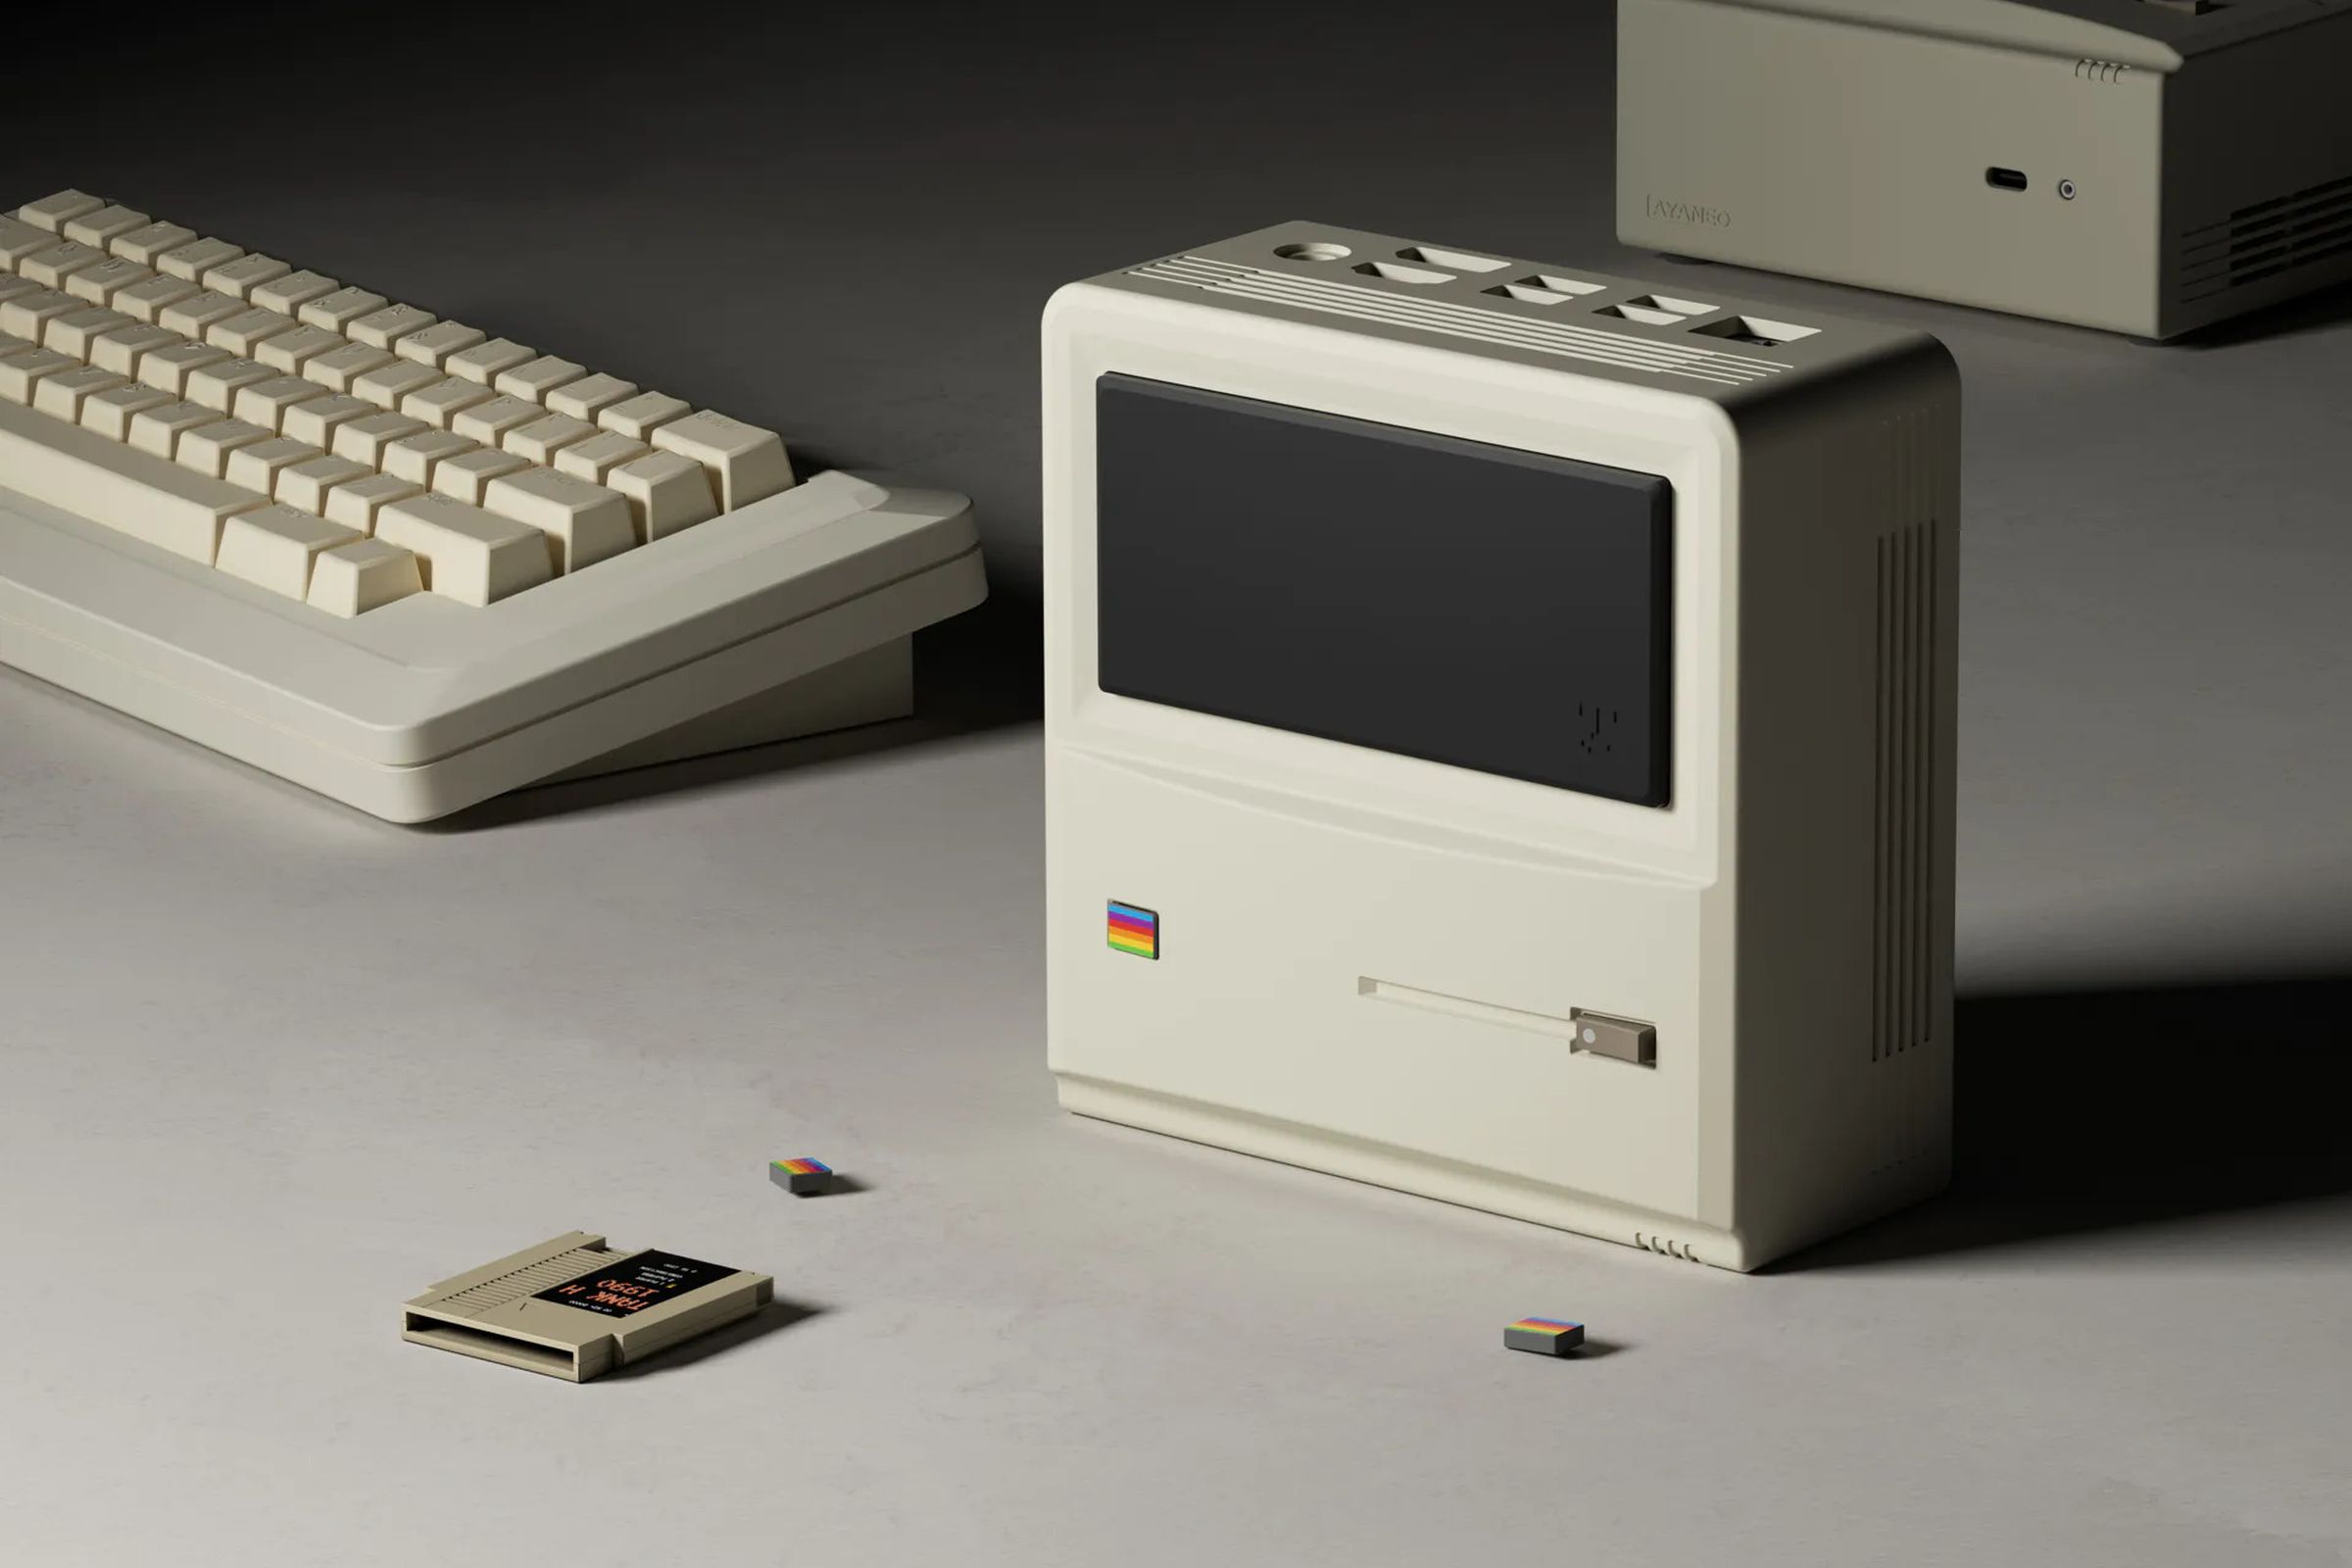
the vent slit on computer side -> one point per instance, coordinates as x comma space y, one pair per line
2266, 239
1903, 972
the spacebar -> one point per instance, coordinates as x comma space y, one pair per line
116, 486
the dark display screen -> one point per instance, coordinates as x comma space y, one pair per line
1468, 604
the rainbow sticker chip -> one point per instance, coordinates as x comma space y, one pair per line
1543, 1336
801, 1176
1134, 930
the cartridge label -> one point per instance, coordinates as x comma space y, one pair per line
627, 1286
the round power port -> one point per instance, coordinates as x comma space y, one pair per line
1314, 250
2065, 191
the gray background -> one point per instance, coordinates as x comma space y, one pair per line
268, 1067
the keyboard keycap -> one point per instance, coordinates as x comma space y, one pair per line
432, 345
216, 385
339, 309
542, 438
585, 398
243, 333
666, 493
272, 547
290, 351
470, 554
438, 404
77, 333
169, 368
199, 310
353, 504
51, 267
489, 421
109, 413
584, 522
118, 486
265, 403
386, 380
482, 361
639, 417
413, 458
382, 329
597, 455
20, 239
100, 227
157, 429
149, 241
464, 475
364, 439
22, 372
120, 351
27, 315
347, 369
288, 292
318, 421
53, 213
206, 449
536, 378
146, 301
60, 396
255, 466
239, 277
306, 485
367, 574
745, 464
100, 283
196, 257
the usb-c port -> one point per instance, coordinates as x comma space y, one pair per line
2005, 178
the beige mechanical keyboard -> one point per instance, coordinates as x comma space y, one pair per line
401, 560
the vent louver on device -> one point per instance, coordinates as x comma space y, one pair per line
1902, 989
1594, 344
1665, 1246
2106, 70
526, 1281
2266, 239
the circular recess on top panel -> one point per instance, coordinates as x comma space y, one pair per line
1314, 250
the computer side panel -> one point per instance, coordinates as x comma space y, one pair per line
1367, 962
1865, 155
1847, 692
2257, 175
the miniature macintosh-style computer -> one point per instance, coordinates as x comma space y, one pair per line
2144, 165
1499, 734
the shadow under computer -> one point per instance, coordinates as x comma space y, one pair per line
2094, 1111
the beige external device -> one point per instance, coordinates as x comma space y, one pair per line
1498, 734
2146, 166
574, 1308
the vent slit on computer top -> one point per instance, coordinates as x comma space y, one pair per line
2266, 239
1591, 342
1902, 975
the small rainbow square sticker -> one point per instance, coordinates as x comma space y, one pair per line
1543, 1336
1132, 930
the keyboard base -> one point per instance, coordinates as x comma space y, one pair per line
784, 618
868, 689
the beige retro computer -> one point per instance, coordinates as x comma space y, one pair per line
1499, 734
2144, 165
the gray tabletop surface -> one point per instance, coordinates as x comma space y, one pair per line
268, 1067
